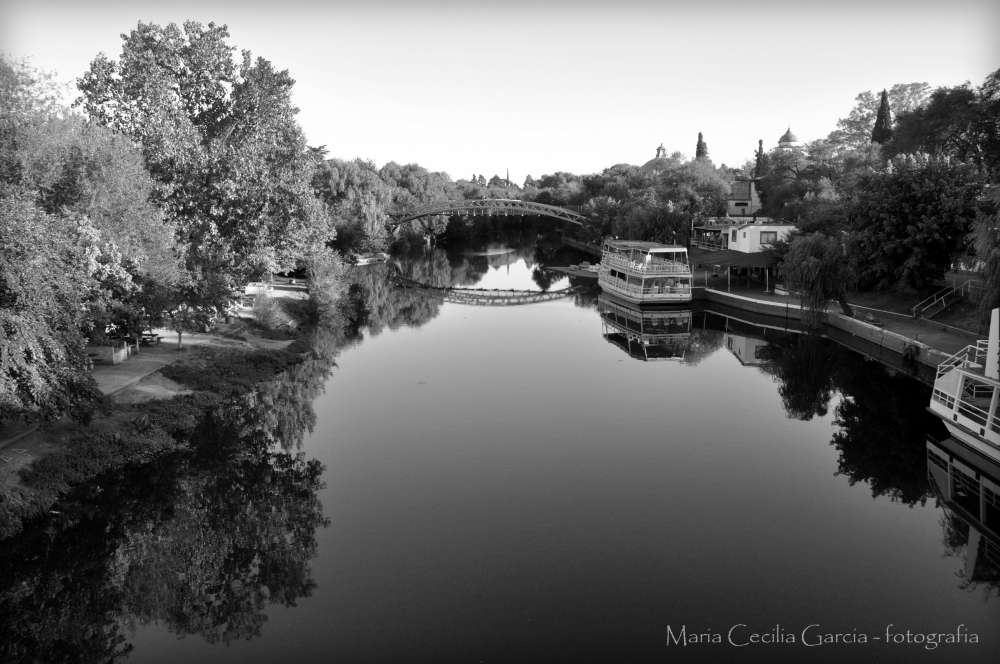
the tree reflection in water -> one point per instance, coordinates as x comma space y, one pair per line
803, 366
202, 540
882, 415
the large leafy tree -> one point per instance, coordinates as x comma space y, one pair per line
909, 220
221, 140
961, 122
855, 130
47, 273
985, 240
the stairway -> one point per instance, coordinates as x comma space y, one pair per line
941, 300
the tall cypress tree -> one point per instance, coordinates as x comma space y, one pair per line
882, 133
758, 167
702, 149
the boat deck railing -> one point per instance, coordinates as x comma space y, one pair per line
632, 289
972, 358
655, 267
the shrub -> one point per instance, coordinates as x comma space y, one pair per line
270, 315
231, 373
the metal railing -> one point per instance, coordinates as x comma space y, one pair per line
639, 290
958, 290
708, 243
972, 356
656, 267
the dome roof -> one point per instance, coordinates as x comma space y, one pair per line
789, 137
656, 163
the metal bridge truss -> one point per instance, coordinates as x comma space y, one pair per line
486, 297
498, 207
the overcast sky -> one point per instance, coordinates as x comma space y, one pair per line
545, 86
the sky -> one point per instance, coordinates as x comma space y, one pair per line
551, 85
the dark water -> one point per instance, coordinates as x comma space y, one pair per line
511, 484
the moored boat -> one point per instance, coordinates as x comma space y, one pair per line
966, 392
645, 272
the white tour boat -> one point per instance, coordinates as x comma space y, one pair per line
967, 392
645, 272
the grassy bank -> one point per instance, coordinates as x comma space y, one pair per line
136, 433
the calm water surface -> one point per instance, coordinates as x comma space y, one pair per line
506, 484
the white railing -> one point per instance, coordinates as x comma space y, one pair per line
941, 297
639, 290
972, 356
654, 268
707, 243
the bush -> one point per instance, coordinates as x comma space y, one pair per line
231, 373
269, 314
326, 284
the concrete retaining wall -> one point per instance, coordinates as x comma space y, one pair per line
892, 341
779, 309
874, 339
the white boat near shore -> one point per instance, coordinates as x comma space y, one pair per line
966, 392
645, 272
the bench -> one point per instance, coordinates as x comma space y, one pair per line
150, 339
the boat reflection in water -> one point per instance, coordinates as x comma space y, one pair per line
967, 482
647, 334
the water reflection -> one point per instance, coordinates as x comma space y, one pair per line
968, 487
645, 334
202, 540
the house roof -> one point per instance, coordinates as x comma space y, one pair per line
740, 190
730, 258
642, 244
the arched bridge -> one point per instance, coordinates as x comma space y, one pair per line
500, 207
486, 297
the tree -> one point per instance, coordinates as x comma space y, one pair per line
701, 149
985, 241
760, 164
815, 265
855, 130
84, 169
221, 140
882, 133
960, 122
46, 276
909, 220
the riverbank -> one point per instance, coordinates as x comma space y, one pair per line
154, 400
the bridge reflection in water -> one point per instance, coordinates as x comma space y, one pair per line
487, 297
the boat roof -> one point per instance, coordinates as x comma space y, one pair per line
640, 244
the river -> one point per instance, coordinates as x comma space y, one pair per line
519, 484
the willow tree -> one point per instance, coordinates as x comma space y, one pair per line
986, 242
816, 266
